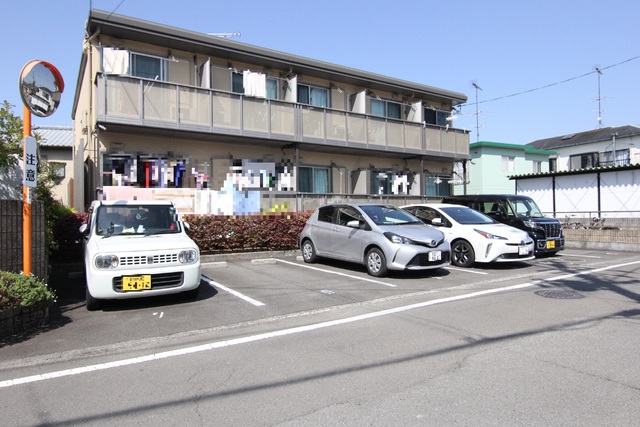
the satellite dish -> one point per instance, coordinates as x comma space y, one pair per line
41, 87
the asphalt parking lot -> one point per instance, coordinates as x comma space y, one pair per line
270, 338
262, 288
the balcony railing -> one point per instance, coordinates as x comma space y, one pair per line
143, 102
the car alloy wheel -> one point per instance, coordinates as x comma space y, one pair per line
309, 252
462, 253
376, 263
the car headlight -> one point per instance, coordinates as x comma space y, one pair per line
530, 224
395, 238
106, 261
489, 235
189, 256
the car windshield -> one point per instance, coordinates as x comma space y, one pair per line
467, 216
136, 219
389, 215
527, 208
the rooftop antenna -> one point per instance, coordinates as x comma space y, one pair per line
474, 84
599, 99
225, 35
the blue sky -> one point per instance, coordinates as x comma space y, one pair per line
535, 61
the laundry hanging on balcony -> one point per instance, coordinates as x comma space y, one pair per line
255, 84
116, 61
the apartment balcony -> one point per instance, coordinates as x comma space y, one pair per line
142, 102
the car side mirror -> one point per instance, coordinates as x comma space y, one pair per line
83, 228
354, 224
437, 222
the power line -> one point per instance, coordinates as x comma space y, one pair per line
555, 84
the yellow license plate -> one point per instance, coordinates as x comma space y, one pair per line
136, 283
551, 244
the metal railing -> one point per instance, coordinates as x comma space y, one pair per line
130, 100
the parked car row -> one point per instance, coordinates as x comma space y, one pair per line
135, 248
426, 236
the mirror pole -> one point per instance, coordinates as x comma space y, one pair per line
26, 205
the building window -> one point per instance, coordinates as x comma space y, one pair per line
583, 161
313, 180
435, 117
537, 167
312, 95
508, 164
380, 182
621, 158
237, 82
553, 165
272, 88
437, 186
380, 108
148, 67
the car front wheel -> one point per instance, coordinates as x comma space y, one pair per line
462, 254
376, 263
309, 251
92, 303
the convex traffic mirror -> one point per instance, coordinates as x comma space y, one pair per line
41, 87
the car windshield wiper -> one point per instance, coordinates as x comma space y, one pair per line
109, 231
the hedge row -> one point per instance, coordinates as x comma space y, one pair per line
212, 233
215, 234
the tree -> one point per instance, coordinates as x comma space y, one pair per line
10, 136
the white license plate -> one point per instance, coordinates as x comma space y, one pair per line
435, 256
523, 250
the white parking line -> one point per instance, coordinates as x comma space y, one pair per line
465, 270
338, 273
581, 256
232, 292
289, 331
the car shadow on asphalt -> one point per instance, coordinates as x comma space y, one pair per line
68, 282
355, 268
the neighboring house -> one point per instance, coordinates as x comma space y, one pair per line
56, 148
11, 182
593, 148
595, 173
492, 163
224, 127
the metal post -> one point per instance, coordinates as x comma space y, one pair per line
26, 200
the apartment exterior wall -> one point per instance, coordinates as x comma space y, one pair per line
192, 130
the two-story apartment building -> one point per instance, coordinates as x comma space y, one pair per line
225, 127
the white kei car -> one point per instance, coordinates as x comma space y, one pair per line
136, 249
474, 236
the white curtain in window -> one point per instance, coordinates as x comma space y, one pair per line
320, 180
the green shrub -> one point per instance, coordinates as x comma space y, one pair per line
67, 238
18, 290
216, 233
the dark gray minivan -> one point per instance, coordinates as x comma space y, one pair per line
520, 212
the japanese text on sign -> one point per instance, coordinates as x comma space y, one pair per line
30, 162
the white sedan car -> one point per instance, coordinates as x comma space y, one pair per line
474, 236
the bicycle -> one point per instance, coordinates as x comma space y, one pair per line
576, 225
596, 223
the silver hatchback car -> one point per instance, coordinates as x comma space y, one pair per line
382, 237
